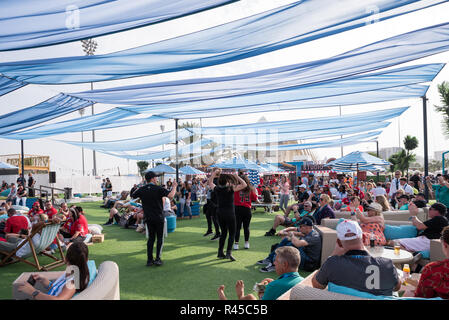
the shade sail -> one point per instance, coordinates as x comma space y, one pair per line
357, 161
271, 87
52, 108
275, 29
258, 132
355, 139
191, 148
137, 143
28, 23
304, 124
9, 85
273, 137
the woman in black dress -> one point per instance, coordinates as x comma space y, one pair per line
226, 186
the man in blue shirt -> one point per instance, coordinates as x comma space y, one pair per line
287, 263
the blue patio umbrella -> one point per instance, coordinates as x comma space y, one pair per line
239, 164
188, 170
358, 161
162, 168
272, 168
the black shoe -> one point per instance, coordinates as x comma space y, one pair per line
229, 256
270, 233
207, 233
150, 263
158, 262
217, 236
108, 223
221, 255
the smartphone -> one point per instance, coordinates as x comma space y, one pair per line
31, 280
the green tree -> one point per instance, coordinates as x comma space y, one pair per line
435, 165
443, 90
410, 143
142, 165
401, 161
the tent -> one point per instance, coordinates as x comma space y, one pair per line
239, 164
162, 168
188, 170
7, 169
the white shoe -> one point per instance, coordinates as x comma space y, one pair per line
236, 246
246, 245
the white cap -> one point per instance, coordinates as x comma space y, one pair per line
349, 227
303, 186
375, 206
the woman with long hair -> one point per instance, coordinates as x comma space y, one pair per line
227, 185
383, 202
243, 215
77, 227
65, 287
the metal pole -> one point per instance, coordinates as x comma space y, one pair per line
426, 156
176, 142
82, 151
341, 137
377, 153
23, 158
93, 137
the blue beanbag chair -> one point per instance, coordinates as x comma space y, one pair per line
400, 232
332, 287
92, 271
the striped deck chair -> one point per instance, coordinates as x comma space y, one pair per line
48, 233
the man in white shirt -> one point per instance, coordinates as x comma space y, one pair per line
379, 190
395, 184
405, 186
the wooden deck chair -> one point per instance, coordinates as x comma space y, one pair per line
48, 233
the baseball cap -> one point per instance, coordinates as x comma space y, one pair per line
303, 186
349, 230
150, 175
306, 221
375, 206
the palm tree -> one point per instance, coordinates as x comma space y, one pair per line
443, 90
401, 161
410, 143
142, 165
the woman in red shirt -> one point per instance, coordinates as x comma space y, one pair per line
242, 203
77, 226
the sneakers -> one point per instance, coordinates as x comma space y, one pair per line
215, 237
208, 233
246, 245
108, 223
236, 246
158, 262
140, 228
150, 263
264, 262
221, 255
229, 256
269, 268
270, 233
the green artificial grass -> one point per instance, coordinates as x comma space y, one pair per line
191, 270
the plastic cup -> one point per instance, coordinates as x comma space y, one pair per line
397, 250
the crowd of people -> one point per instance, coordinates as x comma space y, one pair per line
304, 203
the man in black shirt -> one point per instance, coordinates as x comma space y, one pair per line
427, 230
31, 183
151, 196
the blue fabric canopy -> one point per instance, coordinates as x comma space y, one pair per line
349, 120
355, 139
191, 148
9, 85
52, 108
271, 137
271, 87
137, 143
272, 30
30, 23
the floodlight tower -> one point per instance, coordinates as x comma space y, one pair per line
89, 47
